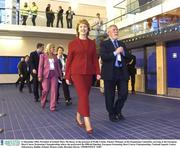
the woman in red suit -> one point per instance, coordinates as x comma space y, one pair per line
82, 63
49, 72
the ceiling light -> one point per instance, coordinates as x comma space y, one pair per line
11, 37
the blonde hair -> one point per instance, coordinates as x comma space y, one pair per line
83, 21
48, 47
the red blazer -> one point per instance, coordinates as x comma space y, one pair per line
80, 60
44, 66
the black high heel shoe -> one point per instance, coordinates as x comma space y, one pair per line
80, 124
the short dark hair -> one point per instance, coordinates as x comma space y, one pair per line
60, 47
39, 45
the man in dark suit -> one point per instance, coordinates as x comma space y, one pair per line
114, 73
24, 72
19, 78
132, 71
34, 62
62, 62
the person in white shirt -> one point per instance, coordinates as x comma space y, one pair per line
69, 17
97, 24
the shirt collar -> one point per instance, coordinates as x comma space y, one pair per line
112, 40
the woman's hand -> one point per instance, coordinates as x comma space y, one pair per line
98, 77
68, 82
39, 79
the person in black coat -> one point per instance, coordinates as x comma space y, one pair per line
24, 72
51, 17
62, 62
132, 71
34, 62
48, 15
19, 78
114, 73
60, 17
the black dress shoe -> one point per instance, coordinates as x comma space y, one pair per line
68, 102
120, 116
113, 118
1, 130
2, 114
36, 100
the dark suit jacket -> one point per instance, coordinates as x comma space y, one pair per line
131, 67
108, 60
69, 13
60, 64
34, 60
81, 60
24, 69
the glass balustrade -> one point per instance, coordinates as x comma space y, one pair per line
155, 23
7, 15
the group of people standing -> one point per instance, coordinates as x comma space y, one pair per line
50, 16
78, 69
25, 11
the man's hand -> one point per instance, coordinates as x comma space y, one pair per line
34, 71
119, 50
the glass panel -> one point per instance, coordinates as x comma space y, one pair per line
41, 18
139, 53
151, 68
151, 59
156, 23
151, 85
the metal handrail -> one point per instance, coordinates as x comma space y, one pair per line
139, 8
42, 17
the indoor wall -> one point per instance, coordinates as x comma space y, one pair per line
21, 46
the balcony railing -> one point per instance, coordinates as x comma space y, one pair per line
139, 9
148, 24
143, 28
12, 16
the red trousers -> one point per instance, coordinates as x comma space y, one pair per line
82, 85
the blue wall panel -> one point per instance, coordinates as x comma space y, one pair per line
173, 64
8, 65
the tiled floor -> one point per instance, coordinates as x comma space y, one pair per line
147, 117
